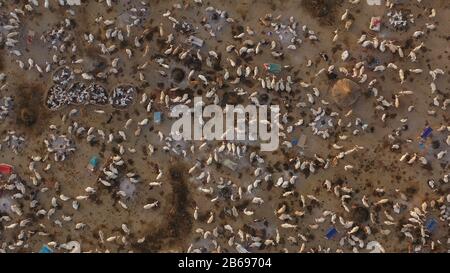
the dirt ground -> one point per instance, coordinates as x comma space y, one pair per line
171, 225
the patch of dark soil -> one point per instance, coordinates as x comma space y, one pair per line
360, 215
1, 62
192, 62
178, 221
230, 98
410, 192
435, 144
225, 193
32, 115
324, 10
255, 230
178, 75
264, 99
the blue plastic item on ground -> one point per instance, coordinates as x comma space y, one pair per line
426, 132
294, 141
157, 117
272, 68
421, 145
331, 233
93, 163
431, 225
45, 249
